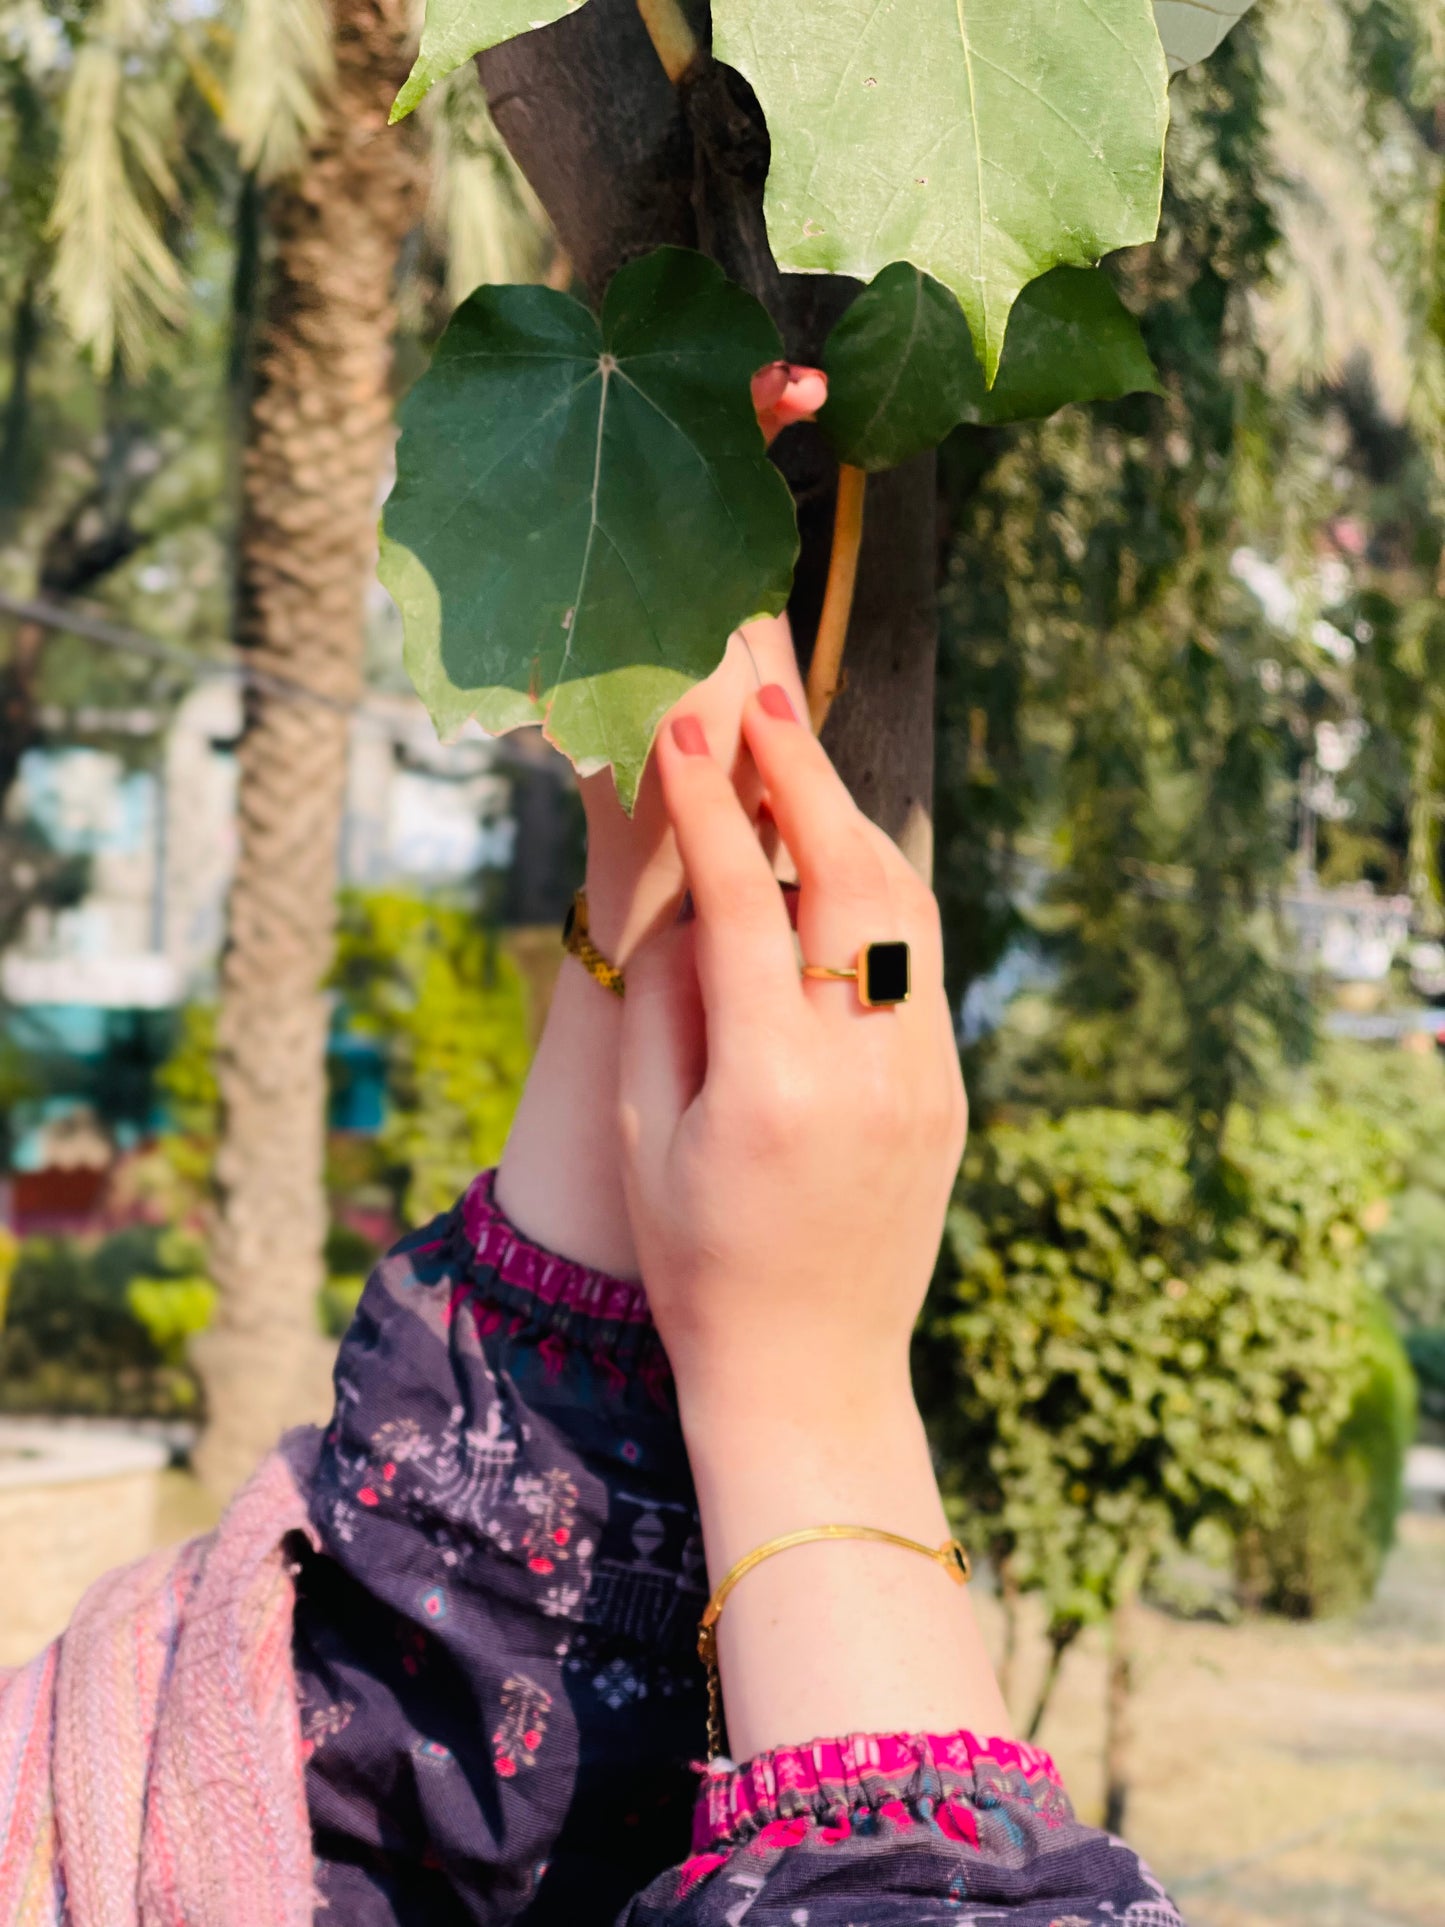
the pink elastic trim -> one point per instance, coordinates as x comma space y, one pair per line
861, 1770
550, 1279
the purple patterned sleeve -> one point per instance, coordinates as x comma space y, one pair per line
495, 1653
900, 1831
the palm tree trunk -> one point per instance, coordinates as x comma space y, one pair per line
317, 433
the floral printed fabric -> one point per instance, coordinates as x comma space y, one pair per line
500, 1693
499, 1690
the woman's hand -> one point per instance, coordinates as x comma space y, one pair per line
788, 1157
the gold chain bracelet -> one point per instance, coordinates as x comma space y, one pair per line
951, 1555
577, 941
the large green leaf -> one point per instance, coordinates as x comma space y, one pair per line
584, 510
985, 141
902, 372
454, 30
1192, 29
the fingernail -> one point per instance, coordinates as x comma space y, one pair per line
687, 734
774, 699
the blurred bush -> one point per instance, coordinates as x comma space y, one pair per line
1409, 1251
1336, 1515
349, 1258
449, 1006
1112, 1375
1426, 1352
79, 1338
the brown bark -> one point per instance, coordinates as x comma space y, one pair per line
318, 430
1062, 1635
1119, 1715
624, 163
1008, 1593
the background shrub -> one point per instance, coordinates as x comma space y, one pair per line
1336, 1515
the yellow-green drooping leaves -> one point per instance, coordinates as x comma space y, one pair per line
902, 372
984, 141
584, 509
454, 30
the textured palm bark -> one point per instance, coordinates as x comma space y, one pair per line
318, 430
624, 162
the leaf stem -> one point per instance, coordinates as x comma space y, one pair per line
825, 670
678, 47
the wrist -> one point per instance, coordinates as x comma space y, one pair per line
760, 1474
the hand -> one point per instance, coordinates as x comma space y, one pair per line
789, 1157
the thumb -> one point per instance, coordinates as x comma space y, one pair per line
664, 1051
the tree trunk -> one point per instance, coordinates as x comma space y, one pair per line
624, 162
1062, 1635
317, 434
1008, 1593
1119, 1715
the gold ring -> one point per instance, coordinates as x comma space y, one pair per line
883, 974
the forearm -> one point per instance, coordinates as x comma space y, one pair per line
844, 1636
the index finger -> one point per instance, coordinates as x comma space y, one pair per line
744, 946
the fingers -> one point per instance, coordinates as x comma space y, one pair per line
784, 394
744, 948
831, 841
664, 1048
857, 887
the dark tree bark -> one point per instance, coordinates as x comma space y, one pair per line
95, 536
624, 162
1119, 1714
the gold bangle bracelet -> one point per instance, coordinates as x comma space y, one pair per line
951, 1555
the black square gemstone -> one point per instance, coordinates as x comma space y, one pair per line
885, 973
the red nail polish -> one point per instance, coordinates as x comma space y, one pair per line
774, 699
687, 734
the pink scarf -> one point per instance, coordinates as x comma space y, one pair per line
150, 1758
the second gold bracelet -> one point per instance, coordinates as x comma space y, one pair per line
951, 1555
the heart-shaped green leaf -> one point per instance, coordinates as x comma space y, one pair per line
985, 141
584, 510
454, 30
902, 372
1192, 29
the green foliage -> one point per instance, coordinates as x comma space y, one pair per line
584, 510
1410, 1253
349, 1258
455, 30
1118, 735
902, 373
77, 1340
9, 1258
450, 1010
173, 1310
983, 145
1426, 1352
958, 154
1108, 1378
1336, 1515
187, 1083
